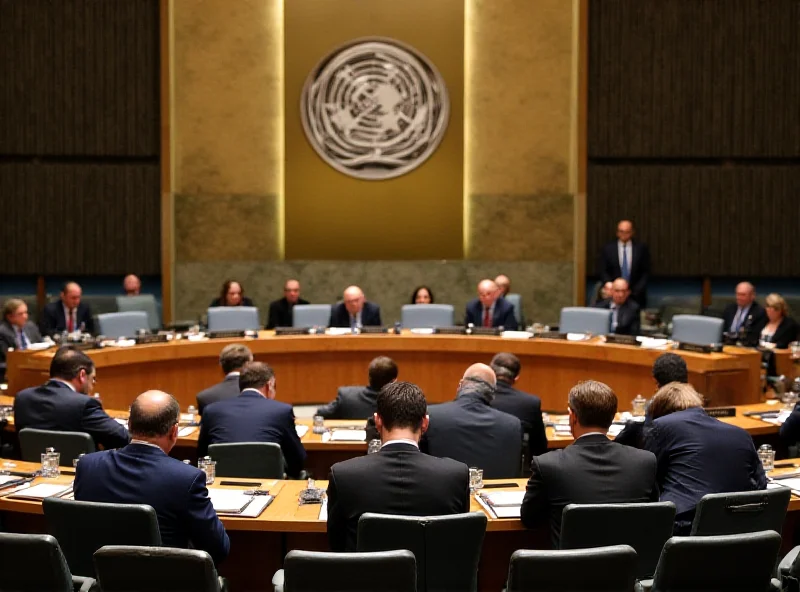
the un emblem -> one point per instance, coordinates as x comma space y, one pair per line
375, 109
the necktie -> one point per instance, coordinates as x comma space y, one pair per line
737, 320
487, 320
626, 272
614, 312
353, 322
70, 323
23, 345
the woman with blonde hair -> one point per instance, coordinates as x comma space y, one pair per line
781, 329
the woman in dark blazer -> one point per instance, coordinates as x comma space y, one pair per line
781, 329
232, 294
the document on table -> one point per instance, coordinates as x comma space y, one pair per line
235, 502
43, 490
776, 418
187, 431
302, 430
502, 504
323, 511
349, 436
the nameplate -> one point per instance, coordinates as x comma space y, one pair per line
483, 331
143, 339
550, 335
299, 330
450, 330
700, 349
623, 340
721, 411
373, 330
81, 345
226, 334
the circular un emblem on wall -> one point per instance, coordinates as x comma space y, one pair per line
375, 109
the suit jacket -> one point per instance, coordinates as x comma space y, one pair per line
592, 470
756, 320
503, 314
245, 302
227, 389
790, 430
470, 431
635, 432
143, 474
698, 454
8, 337
401, 480
53, 320
352, 402
55, 406
609, 268
786, 332
252, 418
280, 313
370, 315
528, 408
628, 318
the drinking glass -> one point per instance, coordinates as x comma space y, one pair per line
475, 479
319, 425
639, 406
50, 463
767, 456
209, 467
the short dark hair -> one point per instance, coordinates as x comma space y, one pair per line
382, 371
402, 405
234, 356
668, 368
255, 375
153, 424
506, 366
593, 403
223, 294
68, 363
414, 295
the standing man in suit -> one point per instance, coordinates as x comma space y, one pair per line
398, 479
471, 431
64, 402
745, 318
16, 331
624, 311
354, 311
360, 402
231, 359
591, 470
280, 311
489, 309
67, 314
253, 416
628, 259
144, 473
132, 285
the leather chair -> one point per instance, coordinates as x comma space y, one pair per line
122, 324
311, 315
424, 316
580, 319
697, 329
233, 318
81, 528
34, 562
737, 513
99, 304
516, 300
447, 548
675, 305
69, 445
145, 303
256, 460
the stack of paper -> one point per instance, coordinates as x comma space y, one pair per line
302, 430
43, 490
235, 502
186, 431
349, 436
777, 419
502, 504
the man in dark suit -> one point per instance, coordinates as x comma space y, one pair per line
745, 318
592, 470
489, 309
67, 314
280, 311
360, 402
624, 311
397, 480
628, 259
471, 431
527, 407
354, 311
16, 331
231, 359
64, 402
144, 473
253, 416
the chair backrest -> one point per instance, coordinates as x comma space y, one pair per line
422, 316
606, 569
145, 303
99, 304
311, 315
33, 562
645, 527
447, 548
125, 568
257, 460
384, 571
69, 445
675, 305
83, 527
122, 324
516, 300
697, 329
717, 563
233, 318
581, 319
736, 513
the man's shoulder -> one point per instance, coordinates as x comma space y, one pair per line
368, 464
631, 305
506, 390
279, 303
368, 305
52, 306
636, 455
220, 387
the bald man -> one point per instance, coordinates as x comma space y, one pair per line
504, 283
489, 309
280, 311
745, 318
624, 311
143, 473
470, 430
629, 259
68, 313
132, 285
354, 311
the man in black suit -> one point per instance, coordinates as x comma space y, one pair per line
64, 402
397, 480
624, 311
231, 359
280, 311
67, 314
591, 470
489, 309
16, 331
745, 318
471, 431
360, 402
253, 416
628, 259
527, 407
354, 311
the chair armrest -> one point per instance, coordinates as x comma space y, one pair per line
645, 585
785, 566
82, 584
277, 581
775, 585
223, 584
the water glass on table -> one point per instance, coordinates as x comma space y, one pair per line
319, 425
475, 479
767, 457
639, 406
51, 463
209, 467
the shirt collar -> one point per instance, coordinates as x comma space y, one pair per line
64, 382
234, 373
590, 434
144, 443
253, 391
400, 441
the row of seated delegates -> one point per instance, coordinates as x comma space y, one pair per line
757, 325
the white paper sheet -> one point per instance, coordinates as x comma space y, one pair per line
228, 500
515, 335
505, 498
349, 436
422, 331
323, 511
576, 336
779, 419
501, 511
302, 430
43, 490
187, 431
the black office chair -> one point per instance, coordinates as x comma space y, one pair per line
83, 527
736, 513
69, 445
447, 548
34, 562
604, 569
789, 571
254, 460
127, 568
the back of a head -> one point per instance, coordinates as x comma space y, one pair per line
506, 366
255, 375
402, 405
68, 362
673, 397
153, 414
382, 371
234, 356
593, 403
668, 368
480, 379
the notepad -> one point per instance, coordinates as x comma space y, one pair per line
302, 430
502, 504
349, 436
615, 429
187, 431
235, 502
43, 490
777, 419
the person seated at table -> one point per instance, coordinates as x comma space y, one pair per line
398, 479
503, 283
68, 313
591, 470
697, 454
253, 416
489, 309
144, 473
602, 293
624, 311
232, 294
231, 359
16, 331
781, 329
422, 295
359, 402
354, 311
61, 404
132, 285
280, 311
745, 318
